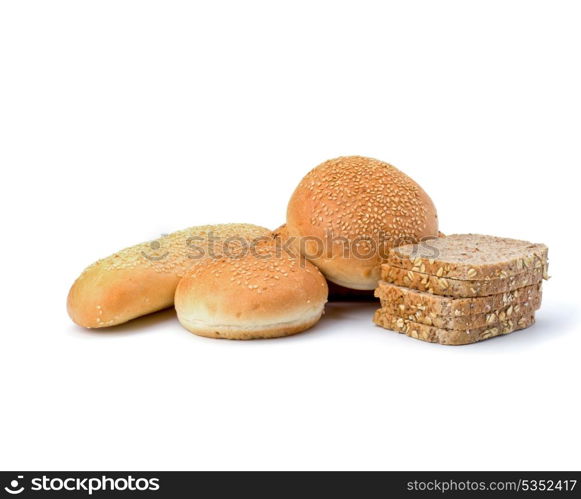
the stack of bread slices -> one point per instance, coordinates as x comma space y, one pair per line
461, 288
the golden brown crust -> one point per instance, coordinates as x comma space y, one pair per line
101, 297
142, 279
261, 294
348, 210
280, 232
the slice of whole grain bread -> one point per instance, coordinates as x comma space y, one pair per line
447, 286
491, 318
470, 256
415, 300
451, 336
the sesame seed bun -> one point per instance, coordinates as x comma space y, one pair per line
262, 294
142, 279
348, 211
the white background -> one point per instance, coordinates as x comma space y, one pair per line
123, 120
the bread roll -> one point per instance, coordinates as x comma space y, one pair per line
143, 278
346, 212
265, 293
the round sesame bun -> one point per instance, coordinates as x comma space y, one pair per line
142, 279
348, 211
261, 294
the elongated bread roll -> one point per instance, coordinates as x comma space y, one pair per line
142, 279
